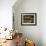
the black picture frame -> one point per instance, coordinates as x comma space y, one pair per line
29, 19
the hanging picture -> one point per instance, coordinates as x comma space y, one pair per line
28, 18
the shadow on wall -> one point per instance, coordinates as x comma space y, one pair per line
18, 2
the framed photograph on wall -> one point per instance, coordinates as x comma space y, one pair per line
28, 18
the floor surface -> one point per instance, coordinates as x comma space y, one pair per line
9, 43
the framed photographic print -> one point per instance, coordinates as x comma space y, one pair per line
28, 18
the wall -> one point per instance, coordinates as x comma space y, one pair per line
29, 32
43, 22
6, 13
6, 16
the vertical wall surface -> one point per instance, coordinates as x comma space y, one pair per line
29, 32
43, 22
6, 13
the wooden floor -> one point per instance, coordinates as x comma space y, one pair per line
9, 43
16, 38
